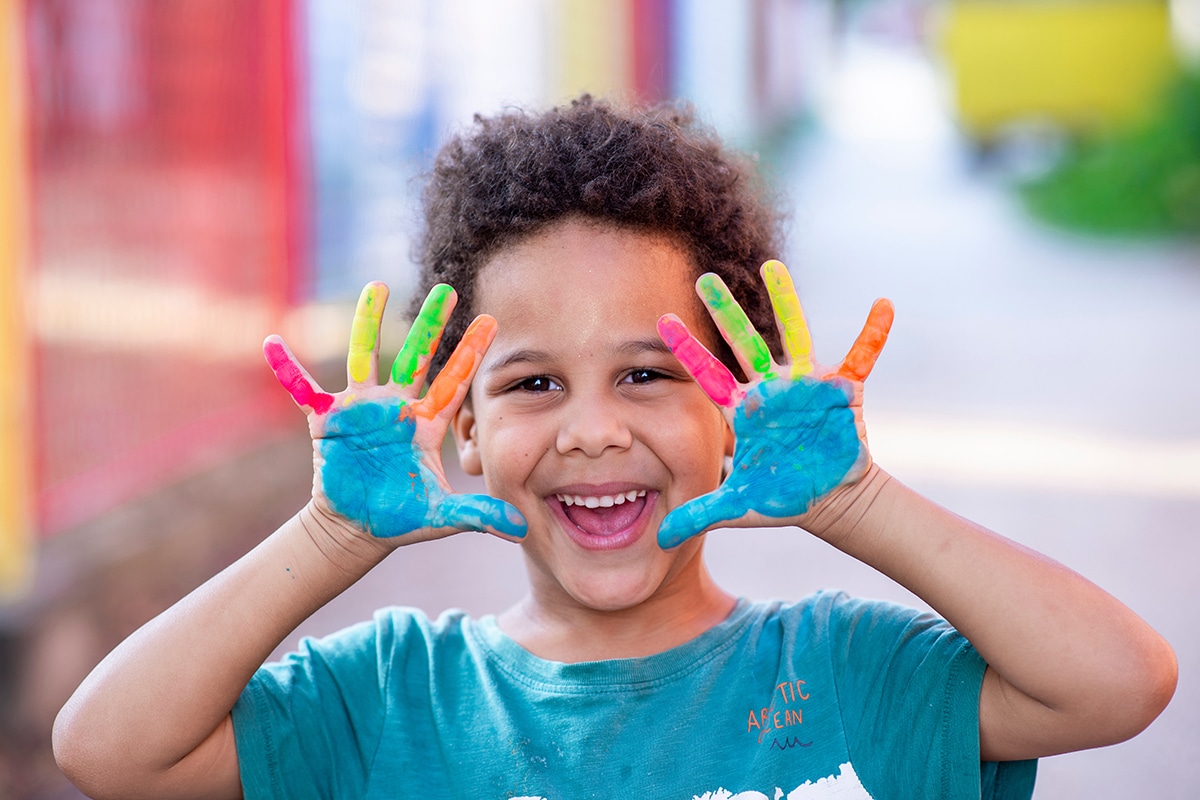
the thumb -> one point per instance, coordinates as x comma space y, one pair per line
480, 512
698, 515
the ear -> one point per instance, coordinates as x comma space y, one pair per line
463, 427
727, 461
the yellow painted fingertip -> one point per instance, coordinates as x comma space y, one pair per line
797, 340
364, 331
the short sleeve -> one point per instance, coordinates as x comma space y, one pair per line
908, 686
318, 707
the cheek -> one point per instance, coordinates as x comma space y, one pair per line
508, 453
694, 447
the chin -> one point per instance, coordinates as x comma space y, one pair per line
615, 593
613, 581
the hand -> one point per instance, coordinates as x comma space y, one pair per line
798, 426
378, 447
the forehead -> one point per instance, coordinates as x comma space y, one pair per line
586, 271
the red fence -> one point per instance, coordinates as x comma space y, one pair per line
166, 217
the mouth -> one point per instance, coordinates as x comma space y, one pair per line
603, 518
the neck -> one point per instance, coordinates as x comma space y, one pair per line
558, 630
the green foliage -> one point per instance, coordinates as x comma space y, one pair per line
1142, 182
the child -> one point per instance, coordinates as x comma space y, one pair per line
610, 440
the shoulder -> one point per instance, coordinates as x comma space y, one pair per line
392, 632
406, 622
853, 629
845, 617
398, 630
834, 609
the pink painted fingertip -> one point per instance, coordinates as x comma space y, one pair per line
714, 378
293, 378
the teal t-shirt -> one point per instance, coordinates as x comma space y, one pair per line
830, 697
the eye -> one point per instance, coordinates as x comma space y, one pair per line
537, 384
643, 375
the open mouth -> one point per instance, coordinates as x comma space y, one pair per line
603, 515
604, 521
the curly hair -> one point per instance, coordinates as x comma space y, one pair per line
651, 169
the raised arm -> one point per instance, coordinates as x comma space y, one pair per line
1069, 666
153, 719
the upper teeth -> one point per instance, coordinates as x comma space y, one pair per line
603, 501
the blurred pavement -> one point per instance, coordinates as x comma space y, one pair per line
1042, 385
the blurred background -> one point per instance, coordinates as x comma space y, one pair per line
179, 178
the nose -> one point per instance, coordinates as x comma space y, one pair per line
592, 425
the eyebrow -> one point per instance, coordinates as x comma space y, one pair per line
523, 356
529, 355
651, 344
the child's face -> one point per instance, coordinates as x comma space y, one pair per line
578, 398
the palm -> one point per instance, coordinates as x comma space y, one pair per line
803, 432
370, 469
798, 431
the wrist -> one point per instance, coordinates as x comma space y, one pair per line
837, 517
340, 541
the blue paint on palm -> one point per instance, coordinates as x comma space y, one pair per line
796, 443
375, 476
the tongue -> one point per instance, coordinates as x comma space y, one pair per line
605, 521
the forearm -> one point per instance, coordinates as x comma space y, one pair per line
1066, 656
161, 695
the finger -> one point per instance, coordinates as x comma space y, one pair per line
862, 356
479, 512
747, 345
294, 378
452, 383
363, 357
794, 328
423, 337
714, 378
695, 517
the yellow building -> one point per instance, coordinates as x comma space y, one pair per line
1078, 63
